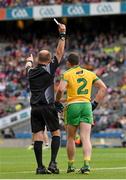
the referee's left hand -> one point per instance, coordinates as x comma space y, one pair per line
59, 107
30, 58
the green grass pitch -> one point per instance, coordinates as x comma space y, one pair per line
19, 163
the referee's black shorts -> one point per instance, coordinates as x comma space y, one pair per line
42, 115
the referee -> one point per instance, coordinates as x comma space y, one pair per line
43, 112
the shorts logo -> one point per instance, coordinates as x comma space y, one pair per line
75, 10
104, 8
19, 13
45, 12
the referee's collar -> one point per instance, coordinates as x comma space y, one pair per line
41, 65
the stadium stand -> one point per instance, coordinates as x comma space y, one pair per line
29, 3
93, 51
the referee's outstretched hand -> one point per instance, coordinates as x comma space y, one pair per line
59, 107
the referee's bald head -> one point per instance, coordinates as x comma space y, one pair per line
44, 56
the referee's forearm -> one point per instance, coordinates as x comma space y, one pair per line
60, 49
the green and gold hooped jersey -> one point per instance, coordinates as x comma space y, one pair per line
79, 84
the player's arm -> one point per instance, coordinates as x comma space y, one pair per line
29, 63
61, 43
102, 89
61, 89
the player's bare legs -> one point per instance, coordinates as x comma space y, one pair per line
85, 131
71, 132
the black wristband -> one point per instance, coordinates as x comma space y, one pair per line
94, 104
62, 35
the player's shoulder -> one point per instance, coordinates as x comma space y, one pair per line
72, 70
67, 71
89, 72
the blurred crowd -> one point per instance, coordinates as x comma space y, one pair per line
102, 53
22, 3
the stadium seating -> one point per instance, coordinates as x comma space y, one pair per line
25, 3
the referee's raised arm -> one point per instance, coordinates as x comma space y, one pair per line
61, 43
29, 63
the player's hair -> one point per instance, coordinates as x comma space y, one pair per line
73, 58
44, 57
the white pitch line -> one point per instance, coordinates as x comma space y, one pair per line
21, 172
93, 169
113, 168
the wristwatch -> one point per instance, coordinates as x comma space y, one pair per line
62, 35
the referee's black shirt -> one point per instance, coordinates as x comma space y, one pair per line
41, 80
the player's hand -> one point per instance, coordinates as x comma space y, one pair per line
30, 59
59, 107
94, 105
62, 28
